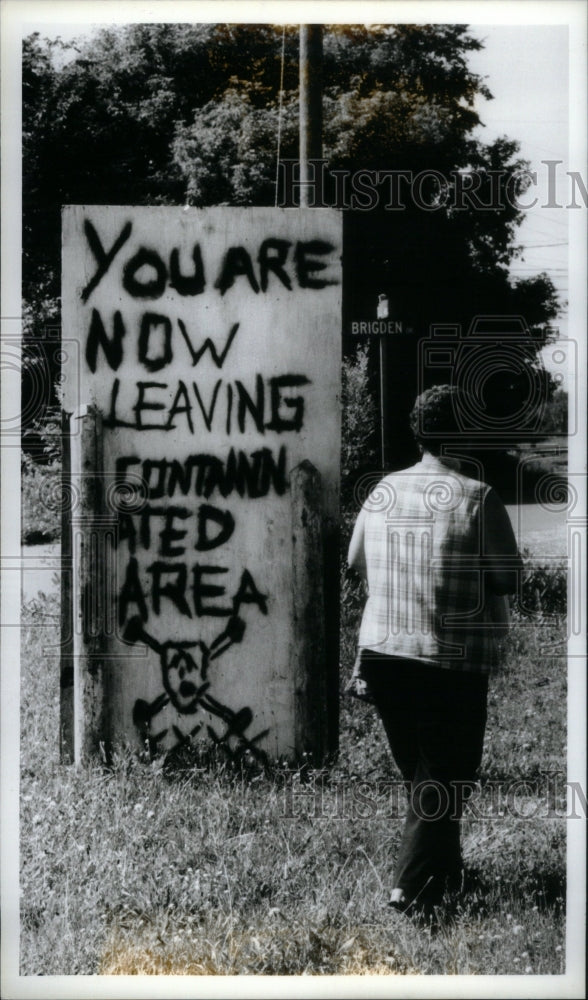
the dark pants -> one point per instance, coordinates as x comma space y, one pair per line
434, 719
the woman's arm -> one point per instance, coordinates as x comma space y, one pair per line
502, 561
356, 554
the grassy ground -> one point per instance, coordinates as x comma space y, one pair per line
152, 868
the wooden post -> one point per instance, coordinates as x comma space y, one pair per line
332, 601
309, 646
316, 545
66, 682
89, 578
311, 103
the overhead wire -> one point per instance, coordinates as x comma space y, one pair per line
280, 105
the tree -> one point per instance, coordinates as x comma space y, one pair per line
168, 114
555, 419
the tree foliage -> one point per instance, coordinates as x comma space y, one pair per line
555, 419
178, 113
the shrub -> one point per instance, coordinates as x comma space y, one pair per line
358, 430
41, 505
41, 485
544, 589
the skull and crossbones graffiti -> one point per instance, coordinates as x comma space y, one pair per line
184, 671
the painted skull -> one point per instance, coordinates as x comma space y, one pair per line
184, 675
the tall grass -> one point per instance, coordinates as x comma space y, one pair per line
179, 868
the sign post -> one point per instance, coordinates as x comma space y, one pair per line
209, 383
383, 327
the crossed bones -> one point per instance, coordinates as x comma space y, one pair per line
185, 680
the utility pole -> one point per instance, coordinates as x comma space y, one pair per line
311, 104
311, 148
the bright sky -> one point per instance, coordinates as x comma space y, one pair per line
527, 72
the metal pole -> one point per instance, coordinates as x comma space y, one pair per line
384, 436
311, 107
383, 312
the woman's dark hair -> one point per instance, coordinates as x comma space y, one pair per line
434, 418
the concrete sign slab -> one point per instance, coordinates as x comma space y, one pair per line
210, 347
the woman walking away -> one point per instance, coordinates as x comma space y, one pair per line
439, 555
